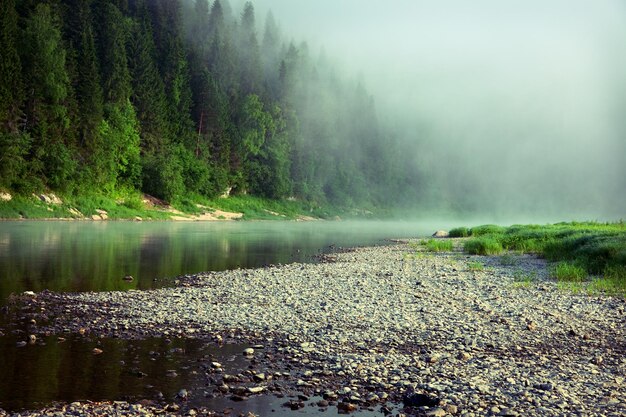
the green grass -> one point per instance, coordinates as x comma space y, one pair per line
484, 245
460, 232
439, 245
566, 271
488, 229
475, 266
579, 250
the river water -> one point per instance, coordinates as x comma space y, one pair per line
95, 256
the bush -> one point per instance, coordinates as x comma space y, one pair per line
460, 232
483, 246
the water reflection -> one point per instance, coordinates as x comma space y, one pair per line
95, 256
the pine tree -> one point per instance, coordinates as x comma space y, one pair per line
47, 86
250, 69
11, 91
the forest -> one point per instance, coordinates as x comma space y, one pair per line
184, 98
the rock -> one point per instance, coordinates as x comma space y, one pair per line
97, 351
435, 412
452, 409
29, 294
413, 399
256, 390
216, 365
248, 352
32, 339
5, 196
464, 356
346, 408
508, 413
294, 405
21, 344
322, 403
258, 377
128, 278
182, 395
171, 373
441, 234
544, 387
230, 378
238, 398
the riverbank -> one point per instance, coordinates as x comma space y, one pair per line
143, 207
475, 335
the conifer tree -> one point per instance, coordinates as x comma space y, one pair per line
11, 91
47, 86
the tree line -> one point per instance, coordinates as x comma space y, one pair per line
180, 98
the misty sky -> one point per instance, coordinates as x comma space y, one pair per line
515, 105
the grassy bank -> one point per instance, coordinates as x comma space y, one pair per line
131, 206
592, 253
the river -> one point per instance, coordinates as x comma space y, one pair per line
96, 256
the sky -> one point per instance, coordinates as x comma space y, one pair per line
514, 106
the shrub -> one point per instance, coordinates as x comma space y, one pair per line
483, 246
460, 232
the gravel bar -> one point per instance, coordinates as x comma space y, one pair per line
383, 325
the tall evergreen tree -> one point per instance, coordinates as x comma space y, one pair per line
47, 86
11, 91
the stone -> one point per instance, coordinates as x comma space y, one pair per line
97, 351
256, 390
441, 234
452, 409
248, 352
413, 399
182, 395
21, 344
435, 412
258, 377
128, 278
346, 408
544, 387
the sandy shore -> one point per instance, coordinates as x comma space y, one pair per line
366, 327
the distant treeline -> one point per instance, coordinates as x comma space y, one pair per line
175, 98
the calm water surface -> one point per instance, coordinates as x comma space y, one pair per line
93, 256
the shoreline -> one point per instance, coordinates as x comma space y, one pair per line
369, 324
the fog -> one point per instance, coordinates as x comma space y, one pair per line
513, 109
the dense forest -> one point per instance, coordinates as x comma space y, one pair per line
177, 98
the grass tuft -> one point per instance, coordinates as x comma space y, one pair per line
459, 232
439, 245
475, 266
569, 272
483, 246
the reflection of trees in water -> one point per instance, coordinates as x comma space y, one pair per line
95, 256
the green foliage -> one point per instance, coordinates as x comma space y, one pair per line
439, 245
581, 249
475, 266
11, 88
175, 98
460, 232
488, 229
565, 271
483, 245
14, 148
